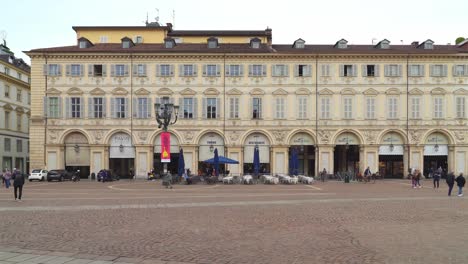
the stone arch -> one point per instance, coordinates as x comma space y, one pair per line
153, 137
444, 132
253, 131
109, 135
207, 141
352, 131
299, 131
71, 131
204, 132
397, 131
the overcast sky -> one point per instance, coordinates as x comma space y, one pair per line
31, 24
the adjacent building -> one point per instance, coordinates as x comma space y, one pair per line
15, 101
341, 106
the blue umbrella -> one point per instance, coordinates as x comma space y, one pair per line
295, 161
181, 165
222, 160
256, 160
291, 165
216, 162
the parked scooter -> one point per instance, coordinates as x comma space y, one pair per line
76, 176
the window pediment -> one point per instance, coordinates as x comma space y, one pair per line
211, 91
119, 91
326, 92
280, 92
53, 91
142, 91
97, 91
461, 91
302, 91
257, 91
165, 91
234, 92
438, 91
392, 91
188, 91
348, 91
416, 91
75, 91
371, 91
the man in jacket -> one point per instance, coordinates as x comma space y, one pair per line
450, 180
18, 184
460, 183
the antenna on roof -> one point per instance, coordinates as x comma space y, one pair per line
147, 22
173, 17
157, 17
3, 36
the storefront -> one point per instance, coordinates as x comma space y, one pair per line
207, 144
391, 151
77, 155
304, 144
435, 153
260, 140
121, 155
172, 166
346, 154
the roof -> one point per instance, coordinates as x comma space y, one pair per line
19, 63
249, 33
76, 28
245, 48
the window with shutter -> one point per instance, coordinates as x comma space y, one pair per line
325, 108
211, 108
256, 108
234, 107
392, 110
256, 70
279, 108
348, 107
119, 70
302, 107
370, 107
415, 107
460, 107
75, 70
210, 70
438, 107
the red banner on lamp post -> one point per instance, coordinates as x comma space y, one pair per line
165, 147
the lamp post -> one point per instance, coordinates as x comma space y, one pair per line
392, 147
164, 113
436, 146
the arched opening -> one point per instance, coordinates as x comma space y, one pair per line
436, 153
263, 144
391, 150
77, 154
207, 144
304, 144
346, 155
121, 155
174, 154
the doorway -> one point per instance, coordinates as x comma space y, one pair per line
391, 166
434, 162
346, 157
120, 167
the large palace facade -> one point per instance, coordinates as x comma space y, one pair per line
342, 107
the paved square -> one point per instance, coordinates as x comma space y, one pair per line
141, 222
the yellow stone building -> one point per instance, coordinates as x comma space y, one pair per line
342, 107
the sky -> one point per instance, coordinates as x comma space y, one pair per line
31, 24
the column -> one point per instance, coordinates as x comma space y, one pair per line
326, 153
141, 166
280, 160
451, 158
235, 154
406, 155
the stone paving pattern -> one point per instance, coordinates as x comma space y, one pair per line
141, 222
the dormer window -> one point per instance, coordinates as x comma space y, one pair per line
341, 44
84, 43
169, 43
212, 43
299, 44
127, 43
138, 39
384, 44
255, 43
428, 44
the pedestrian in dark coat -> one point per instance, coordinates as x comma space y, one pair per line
450, 180
460, 183
18, 182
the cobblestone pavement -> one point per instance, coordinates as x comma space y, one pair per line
141, 222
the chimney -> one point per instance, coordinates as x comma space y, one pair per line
268, 33
414, 44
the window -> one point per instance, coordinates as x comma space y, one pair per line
460, 70
53, 70
53, 109
325, 108
460, 107
302, 107
392, 70
188, 70
126, 44
279, 109
103, 39
303, 70
416, 70
20, 76
97, 107
370, 71
7, 71
392, 107
83, 44
138, 39
256, 108
438, 70
7, 142
19, 122
139, 70
370, 108
188, 108
234, 107
257, 70
438, 107
212, 44
211, 70
120, 70
279, 70
7, 120
211, 108
325, 70
234, 70
97, 70
347, 70
348, 107
120, 107
75, 70
19, 145
19, 95
415, 107
7, 91
75, 107
164, 70
142, 108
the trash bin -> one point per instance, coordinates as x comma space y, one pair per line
93, 176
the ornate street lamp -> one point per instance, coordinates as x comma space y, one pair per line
211, 148
164, 113
392, 147
121, 148
77, 148
436, 146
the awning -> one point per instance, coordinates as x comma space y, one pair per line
222, 160
431, 150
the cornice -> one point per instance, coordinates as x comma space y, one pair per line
10, 79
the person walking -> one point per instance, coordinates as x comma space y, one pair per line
167, 180
450, 180
460, 183
7, 177
18, 182
323, 175
418, 179
436, 178
367, 174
